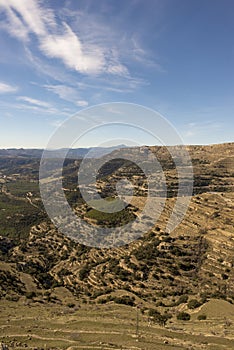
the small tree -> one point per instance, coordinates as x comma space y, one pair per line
159, 318
183, 316
193, 304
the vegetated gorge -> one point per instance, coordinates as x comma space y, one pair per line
162, 291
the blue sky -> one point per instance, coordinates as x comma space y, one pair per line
58, 57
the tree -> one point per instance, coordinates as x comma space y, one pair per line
183, 316
158, 317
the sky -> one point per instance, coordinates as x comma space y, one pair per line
60, 57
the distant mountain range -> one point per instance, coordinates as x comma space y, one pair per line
74, 153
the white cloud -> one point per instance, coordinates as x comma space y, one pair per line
142, 56
25, 17
39, 110
49, 69
72, 52
34, 101
63, 91
67, 93
15, 26
118, 69
82, 103
56, 123
58, 41
6, 88
198, 130
37, 106
90, 45
93, 48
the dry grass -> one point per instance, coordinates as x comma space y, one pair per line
111, 326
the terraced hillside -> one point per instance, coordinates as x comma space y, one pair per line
196, 259
163, 274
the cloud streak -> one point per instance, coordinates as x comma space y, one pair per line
67, 93
197, 129
39, 110
6, 88
25, 103
34, 101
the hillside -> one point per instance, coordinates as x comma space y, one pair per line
169, 273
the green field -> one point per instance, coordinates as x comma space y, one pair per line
21, 188
114, 215
20, 208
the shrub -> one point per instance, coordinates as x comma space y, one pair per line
193, 304
84, 271
125, 299
201, 317
186, 266
183, 299
71, 305
30, 295
102, 301
12, 298
45, 279
224, 276
183, 316
64, 272
204, 297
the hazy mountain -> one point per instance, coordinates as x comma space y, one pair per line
74, 153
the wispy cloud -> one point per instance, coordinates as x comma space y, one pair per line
67, 93
198, 129
25, 17
34, 101
36, 106
39, 110
58, 40
74, 54
87, 45
56, 123
44, 68
6, 88
82, 103
143, 57
81, 56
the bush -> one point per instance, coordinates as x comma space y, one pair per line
125, 299
183, 299
193, 304
84, 272
71, 305
224, 276
45, 279
30, 295
183, 316
201, 317
187, 266
12, 298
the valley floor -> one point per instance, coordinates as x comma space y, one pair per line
83, 326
